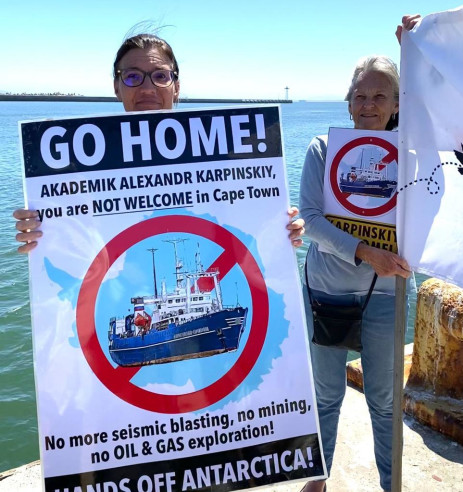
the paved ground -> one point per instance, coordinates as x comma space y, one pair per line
431, 463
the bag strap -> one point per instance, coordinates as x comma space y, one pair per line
365, 304
307, 282
372, 286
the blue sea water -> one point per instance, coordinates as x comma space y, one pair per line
18, 420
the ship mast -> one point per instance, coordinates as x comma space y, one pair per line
199, 265
178, 263
199, 268
218, 289
386, 167
154, 273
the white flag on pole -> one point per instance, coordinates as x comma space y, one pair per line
430, 198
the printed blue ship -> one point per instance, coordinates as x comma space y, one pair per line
371, 180
187, 323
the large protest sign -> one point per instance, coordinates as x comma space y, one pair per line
169, 338
430, 212
360, 184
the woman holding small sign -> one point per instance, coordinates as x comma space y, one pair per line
146, 78
342, 272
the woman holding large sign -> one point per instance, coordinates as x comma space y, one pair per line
341, 271
146, 78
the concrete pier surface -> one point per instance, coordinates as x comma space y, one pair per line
431, 462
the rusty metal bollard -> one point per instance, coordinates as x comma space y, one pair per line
434, 391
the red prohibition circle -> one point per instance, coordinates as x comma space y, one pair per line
342, 197
117, 380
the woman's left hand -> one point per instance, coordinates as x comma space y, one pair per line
295, 227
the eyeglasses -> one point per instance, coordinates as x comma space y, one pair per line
133, 77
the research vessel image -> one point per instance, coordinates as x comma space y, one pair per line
188, 322
368, 179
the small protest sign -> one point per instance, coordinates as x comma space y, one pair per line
360, 186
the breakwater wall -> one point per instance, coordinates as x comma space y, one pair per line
64, 98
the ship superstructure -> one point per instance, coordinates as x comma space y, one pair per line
188, 322
369, 179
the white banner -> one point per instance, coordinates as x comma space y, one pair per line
169, 335
430, 200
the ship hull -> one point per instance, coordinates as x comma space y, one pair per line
204, 336
382, 189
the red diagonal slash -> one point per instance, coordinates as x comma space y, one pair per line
223, 264
387, 159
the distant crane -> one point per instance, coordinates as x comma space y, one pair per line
287, 89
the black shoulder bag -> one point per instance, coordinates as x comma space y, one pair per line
338, 326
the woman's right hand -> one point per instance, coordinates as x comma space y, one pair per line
28, 226
295, 227
384, 263
408, 23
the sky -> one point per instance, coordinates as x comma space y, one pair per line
234, 49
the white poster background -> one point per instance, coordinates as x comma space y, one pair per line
71, 399
361, 151
430, 211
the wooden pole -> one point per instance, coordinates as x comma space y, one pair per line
399, 343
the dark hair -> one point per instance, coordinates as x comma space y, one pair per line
144, 41
393, 122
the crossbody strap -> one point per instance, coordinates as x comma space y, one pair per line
365, 304
372, 286
307, 282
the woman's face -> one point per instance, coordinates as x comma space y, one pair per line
146, 97
372, 102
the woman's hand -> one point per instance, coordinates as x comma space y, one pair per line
295, 227
27, 224
408, 23
384, 263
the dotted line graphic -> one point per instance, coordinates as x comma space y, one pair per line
430, 181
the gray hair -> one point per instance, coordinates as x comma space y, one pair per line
384, 65
376, 63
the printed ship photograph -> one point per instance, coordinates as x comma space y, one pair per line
374, 176
186, 322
